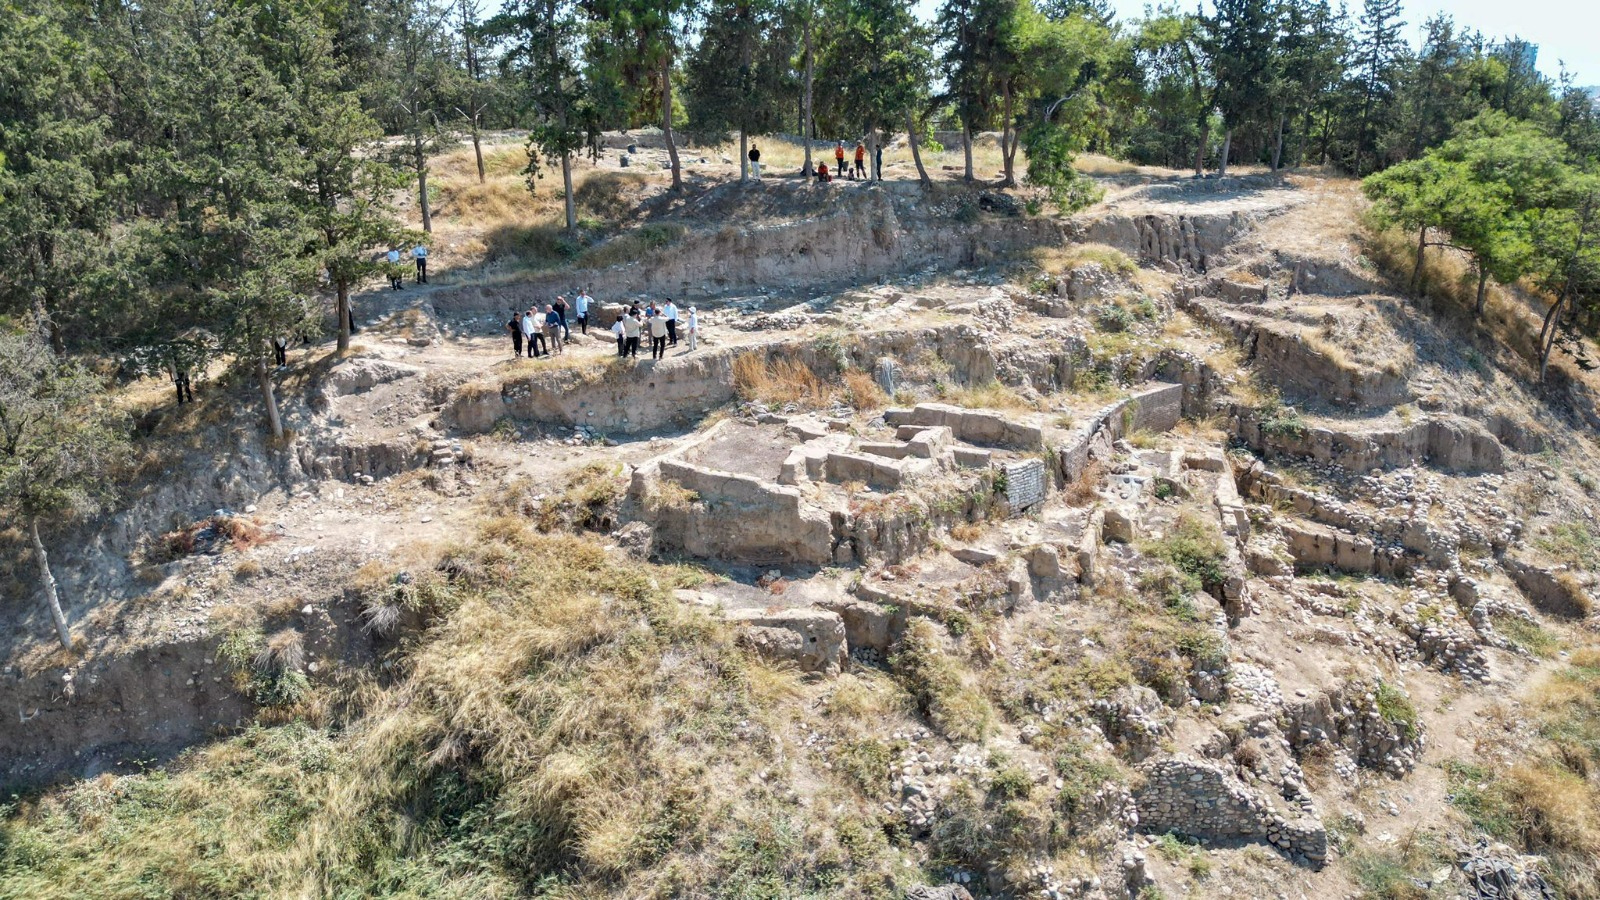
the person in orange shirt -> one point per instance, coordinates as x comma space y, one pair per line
838, 158
861, 160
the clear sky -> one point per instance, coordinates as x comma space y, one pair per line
1565, 30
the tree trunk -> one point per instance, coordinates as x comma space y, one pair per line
477, 150
421, 163
1416, 270
1547, 334
566, 190
1227, 148
808, 128
666, 122
966, 146
916, 152
1205, 139
264, 380
51, 597
1483, 286
341, 308
744, 156
1010, 179
873, 173
1277, 147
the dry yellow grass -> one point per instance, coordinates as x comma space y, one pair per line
862, 391
1061, 260
988, 395
779, 381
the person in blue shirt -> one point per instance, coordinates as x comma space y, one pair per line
580, 308
552, 328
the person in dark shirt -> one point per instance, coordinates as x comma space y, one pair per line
552, 328
515, 327
561, 311
755, 161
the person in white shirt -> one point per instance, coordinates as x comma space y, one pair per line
620, 332
531, 334
394, 269
420, 254
580, 308
631, 328
670, 313
658, 335
694, 329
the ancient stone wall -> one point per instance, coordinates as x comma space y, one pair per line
1206, 800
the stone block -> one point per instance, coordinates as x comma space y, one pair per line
1158, 408
930, 443
1318, 546
1044, 561
813, 639
1121, 523
1025, 484
877, 472
968, 458
867, 623
892, 451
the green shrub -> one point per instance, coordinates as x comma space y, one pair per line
1396, 708
940, 684
1113, 318
1195, 548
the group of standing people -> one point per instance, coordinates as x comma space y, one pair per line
840, 169
843, 171
545, 332
661, 323
419, 254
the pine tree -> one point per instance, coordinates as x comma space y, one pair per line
1239, 39
738, 76
545, 37
419, 85
66, 179
347, 196
971, 32
641, 43
878, 68
235, 242
1378, 54
59, 445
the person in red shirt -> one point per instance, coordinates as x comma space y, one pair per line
861, 160
822, 172
838, 157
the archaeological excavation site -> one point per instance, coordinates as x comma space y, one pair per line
1163, 550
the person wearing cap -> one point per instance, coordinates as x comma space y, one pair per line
694, 328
